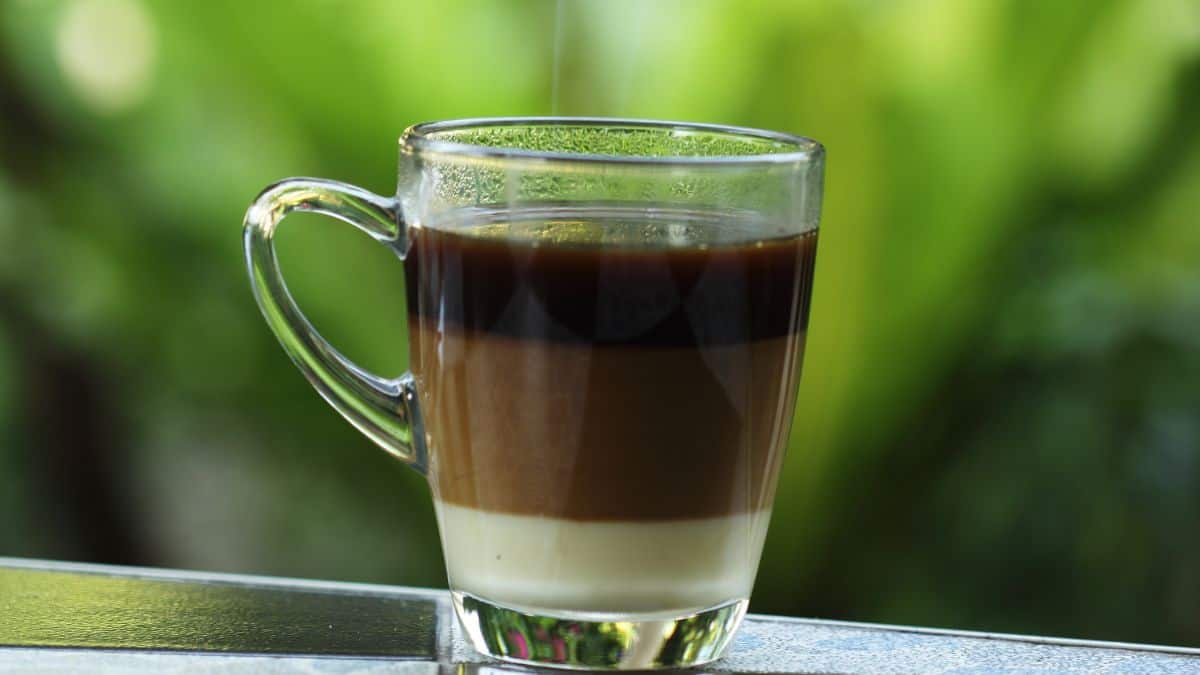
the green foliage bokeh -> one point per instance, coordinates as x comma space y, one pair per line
999, 419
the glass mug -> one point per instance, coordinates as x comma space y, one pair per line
607, 320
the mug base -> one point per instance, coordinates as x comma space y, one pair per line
598, 641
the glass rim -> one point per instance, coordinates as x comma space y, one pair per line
420, 137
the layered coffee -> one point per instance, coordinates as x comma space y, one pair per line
607, 401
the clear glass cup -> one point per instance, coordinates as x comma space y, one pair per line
606, 326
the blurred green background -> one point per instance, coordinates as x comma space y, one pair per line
999, 421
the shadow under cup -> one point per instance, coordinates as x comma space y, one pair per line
606, 325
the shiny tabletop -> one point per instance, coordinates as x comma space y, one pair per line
60, 617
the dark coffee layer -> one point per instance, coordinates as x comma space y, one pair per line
606, 382
725, 294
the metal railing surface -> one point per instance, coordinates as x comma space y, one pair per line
70, 617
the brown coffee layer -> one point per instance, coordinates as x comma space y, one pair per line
606, 382
604, 432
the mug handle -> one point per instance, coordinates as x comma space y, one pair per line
385, 410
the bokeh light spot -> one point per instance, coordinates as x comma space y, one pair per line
106, 50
